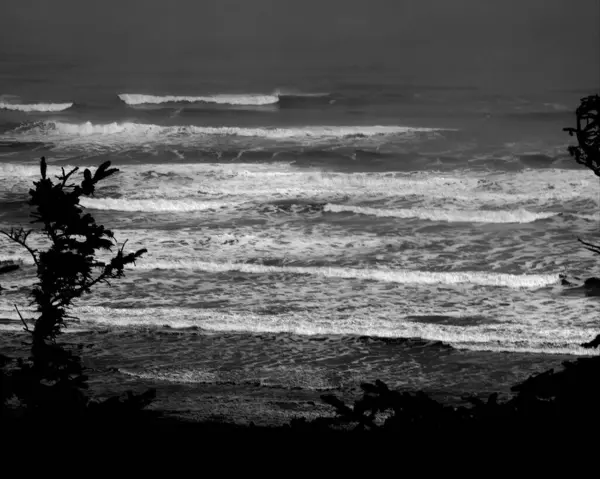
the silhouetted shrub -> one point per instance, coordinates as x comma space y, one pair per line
587, 153
51, 382
587, 132
587, 150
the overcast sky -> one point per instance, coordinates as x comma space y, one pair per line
466, 41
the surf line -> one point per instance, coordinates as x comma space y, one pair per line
393, 276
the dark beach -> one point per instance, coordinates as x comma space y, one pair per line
268, 379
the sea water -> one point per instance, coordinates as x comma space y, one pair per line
298, 233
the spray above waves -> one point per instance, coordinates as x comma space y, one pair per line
471, 216
221, 99
35, 107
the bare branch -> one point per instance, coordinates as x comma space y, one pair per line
65, 177
590, 246
20, 237
23, 320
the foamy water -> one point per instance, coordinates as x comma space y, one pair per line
388, 234
138, 132
299, 220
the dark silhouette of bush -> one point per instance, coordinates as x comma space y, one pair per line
587, 150
587, 132
51, 382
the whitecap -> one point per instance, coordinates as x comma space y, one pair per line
473, 216
41, 107
481, 278
231, 99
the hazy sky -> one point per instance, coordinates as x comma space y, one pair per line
485, 42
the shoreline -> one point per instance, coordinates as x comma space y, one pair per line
201, 378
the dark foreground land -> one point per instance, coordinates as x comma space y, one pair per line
557, 405
270, 379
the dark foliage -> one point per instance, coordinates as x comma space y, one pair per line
594, 343
587, 132
51, 382
587, 151
565, 400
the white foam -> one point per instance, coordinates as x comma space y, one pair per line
13, 326
473, 216
13, 170
393, 276
589, 217
536, 338
145, 132
12, 256
29, 107
524, 347
435, 191
155, 205
243, 99
517, 198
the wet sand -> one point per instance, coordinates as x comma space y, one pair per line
268, 379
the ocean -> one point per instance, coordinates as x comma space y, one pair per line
310, 231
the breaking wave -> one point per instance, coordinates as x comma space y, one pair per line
129, 131
358, 326
281, 97
251, 99
385, 275
472, 216
156, 205
42, 107
12, 170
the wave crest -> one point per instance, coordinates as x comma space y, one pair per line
29, 107
143, 132
282, 97
155, 206
480, 278
470, 216
250, 99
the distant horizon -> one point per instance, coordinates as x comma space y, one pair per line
510, 45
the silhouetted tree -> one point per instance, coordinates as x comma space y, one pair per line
51, 381
587, 153
587, 132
